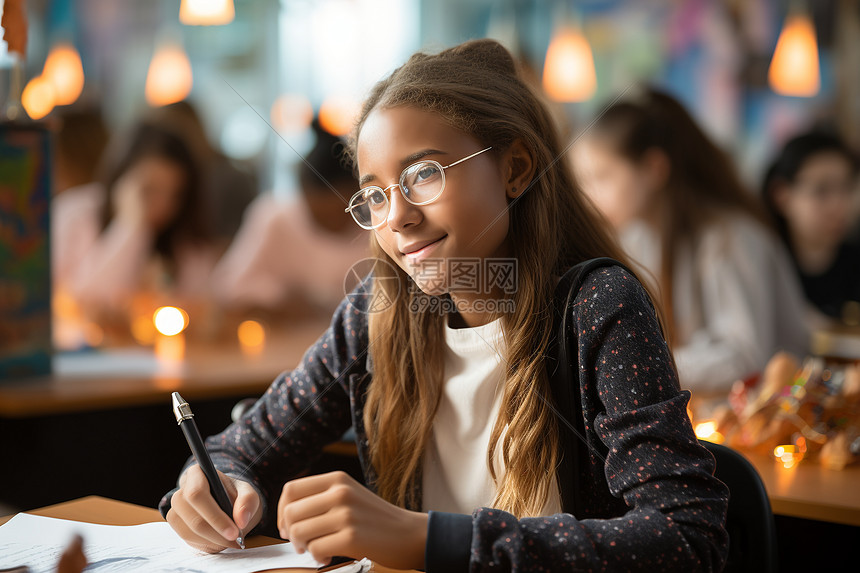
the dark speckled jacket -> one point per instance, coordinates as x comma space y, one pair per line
640, 497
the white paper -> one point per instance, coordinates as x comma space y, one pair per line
38, 543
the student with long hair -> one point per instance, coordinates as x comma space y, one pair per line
140, 229
812, 192
488, 439
681, 213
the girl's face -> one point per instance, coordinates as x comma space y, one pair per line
820, 205
155, 186
467, 221
621, 189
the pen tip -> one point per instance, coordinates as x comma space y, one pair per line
241, 542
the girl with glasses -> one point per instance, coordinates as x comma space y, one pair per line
812, 192
483, 447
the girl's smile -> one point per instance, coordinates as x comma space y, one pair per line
420, 250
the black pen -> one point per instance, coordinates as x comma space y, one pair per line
185, 419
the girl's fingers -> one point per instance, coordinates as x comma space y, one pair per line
193, 526
301, 488
196, 493
191, 537
246, 506
306, 531
325, 547
303, 509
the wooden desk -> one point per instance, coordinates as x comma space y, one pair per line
210, 372
811, 491
61, 421
94, 509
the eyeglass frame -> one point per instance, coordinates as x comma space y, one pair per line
385, 191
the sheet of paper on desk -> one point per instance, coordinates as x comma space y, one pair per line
38, 543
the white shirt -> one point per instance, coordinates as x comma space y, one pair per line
456, 478
736, 300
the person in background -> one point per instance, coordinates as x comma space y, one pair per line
295, 256
228, 189
811, 190
140, 230
79, 142
675, 200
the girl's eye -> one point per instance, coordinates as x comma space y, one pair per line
376, 198
426, 173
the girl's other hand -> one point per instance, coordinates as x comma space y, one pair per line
195, 516
332, 514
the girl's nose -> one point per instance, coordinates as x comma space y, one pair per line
401, 212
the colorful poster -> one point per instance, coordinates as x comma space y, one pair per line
25, 279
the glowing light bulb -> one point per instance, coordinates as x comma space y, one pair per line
206, 12
64, 70
568, 73
170, 320
337, 115
708, 431
169, 78
794, 68
38, 97
252, 337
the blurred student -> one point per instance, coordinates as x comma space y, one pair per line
141, 230
296, 255
811, 189
228, 189
79, 142
674, 198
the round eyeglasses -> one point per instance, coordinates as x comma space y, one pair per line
420, 183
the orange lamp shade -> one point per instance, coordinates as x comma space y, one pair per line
38, 97
568, 73
794, 68
169, 79
206, 12
337, 115
64, 70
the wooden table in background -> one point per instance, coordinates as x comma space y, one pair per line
211, 371
94, 509
114, 433
811, 491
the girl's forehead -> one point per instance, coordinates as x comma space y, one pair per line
397, 132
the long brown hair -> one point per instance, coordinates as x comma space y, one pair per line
476, 88
702, 182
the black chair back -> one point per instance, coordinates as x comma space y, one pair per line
750, 522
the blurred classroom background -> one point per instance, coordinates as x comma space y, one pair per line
172, 193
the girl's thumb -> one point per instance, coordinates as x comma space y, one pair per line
247, 504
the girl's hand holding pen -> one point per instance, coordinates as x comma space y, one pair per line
196, 517
332, 514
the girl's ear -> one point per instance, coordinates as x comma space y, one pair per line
519, 166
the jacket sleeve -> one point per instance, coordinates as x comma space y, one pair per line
676, 508
302, 410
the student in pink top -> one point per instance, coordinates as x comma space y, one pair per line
140, 231
294, 256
